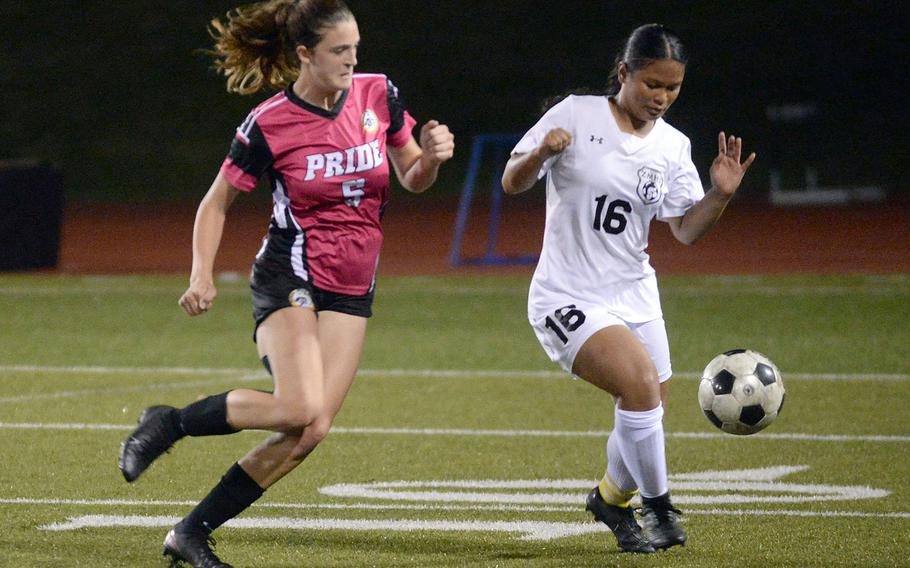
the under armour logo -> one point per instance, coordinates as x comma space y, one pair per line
598, 140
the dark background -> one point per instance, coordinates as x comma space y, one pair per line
117, 96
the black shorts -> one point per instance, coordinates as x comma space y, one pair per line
274, 289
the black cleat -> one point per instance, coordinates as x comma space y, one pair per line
621, 521
191, 547
155, 435
658, 517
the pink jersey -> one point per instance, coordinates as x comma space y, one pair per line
329, 174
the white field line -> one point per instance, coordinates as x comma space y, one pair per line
123, 290
341, 506
735, 287
104, 370
108, 390
252, 373
529, 530
438, 507
499, 433
249, 375
728, 487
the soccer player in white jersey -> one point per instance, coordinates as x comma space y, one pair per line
327, 143
612, 165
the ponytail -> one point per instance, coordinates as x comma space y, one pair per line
255, 48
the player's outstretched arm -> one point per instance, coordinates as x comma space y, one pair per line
207, 232
727, 173
522, 169
418, 165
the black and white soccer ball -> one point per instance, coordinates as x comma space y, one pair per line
741, 391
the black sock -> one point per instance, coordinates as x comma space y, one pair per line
175, 429
234, 493
206, 417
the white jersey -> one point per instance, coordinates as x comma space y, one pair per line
602, 193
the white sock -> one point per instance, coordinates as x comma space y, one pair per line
617, 486
640, 437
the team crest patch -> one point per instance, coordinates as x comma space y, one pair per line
301, 298
369, 121
650, 185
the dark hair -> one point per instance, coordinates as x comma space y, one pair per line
256, 46
645, 44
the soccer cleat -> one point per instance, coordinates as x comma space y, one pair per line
621, 521
661, 526
155, 435
191, 546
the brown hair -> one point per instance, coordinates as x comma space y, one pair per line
255, 46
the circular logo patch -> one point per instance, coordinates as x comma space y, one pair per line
369, 121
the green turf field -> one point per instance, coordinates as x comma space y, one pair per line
460, 444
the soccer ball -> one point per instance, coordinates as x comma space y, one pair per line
741, 391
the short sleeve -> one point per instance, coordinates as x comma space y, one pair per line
685, 188
402, 123
559, 116
249, 157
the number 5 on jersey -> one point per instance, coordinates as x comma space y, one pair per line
569, 317
352, 191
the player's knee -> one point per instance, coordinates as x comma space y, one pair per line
641, 391
650, 381
297, 416
318, 430
314, 434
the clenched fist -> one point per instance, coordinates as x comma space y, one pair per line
198, 298
554, 143
437, 143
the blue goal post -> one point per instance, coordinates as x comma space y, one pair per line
496, 147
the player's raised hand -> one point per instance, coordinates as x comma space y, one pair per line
554, 143
726, 171
198, 298
437, 143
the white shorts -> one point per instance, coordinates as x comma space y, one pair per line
564, 330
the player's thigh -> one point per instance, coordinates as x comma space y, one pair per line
562, 330
341, 337
289, 337
615, 360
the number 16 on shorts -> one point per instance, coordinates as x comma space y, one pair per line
555, 330
565, 319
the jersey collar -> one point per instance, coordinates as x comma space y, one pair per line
331, 114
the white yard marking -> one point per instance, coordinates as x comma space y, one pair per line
253, 374
249, 375
735, 286
108, 390
437, 507
363, 431
106, 370
729, 487
279, 505
530, 530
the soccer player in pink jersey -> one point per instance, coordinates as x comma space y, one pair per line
325, 142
